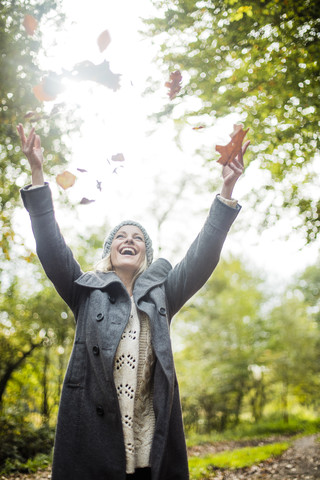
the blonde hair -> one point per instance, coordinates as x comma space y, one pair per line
105, 265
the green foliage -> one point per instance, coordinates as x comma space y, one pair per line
239, 357
260, 60
243, 457
19, 72
21, 442
40, 462
264, 428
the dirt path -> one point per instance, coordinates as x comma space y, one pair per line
299, 462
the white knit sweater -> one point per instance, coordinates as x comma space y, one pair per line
133, 375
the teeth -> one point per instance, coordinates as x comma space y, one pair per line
128, 251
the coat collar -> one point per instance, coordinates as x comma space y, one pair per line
153, 276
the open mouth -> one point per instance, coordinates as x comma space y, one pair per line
128, 251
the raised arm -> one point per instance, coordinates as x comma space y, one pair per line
188, 276
55, 256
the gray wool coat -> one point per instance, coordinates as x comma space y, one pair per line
89, 441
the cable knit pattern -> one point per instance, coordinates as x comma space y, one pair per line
133, 369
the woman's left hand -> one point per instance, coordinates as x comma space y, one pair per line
232, 171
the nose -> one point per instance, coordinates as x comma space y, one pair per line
129, 239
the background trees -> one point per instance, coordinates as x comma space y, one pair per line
260, 60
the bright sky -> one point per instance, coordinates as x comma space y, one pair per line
118, 123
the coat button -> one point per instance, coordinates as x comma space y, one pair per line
99, 317
162, 311
100, 410
95, 350
112, 299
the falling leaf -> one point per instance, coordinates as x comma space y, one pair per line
65, 179
41, 94
29, 114
82, 170
100, 73
30, 24
115, 170
103, 40
230, 151
85, 201
198, 128
99, 185
118, 157
174, 84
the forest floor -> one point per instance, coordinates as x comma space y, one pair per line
300, 462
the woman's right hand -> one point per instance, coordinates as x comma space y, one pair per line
31, 147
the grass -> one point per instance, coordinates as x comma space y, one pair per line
242, 457
263, 429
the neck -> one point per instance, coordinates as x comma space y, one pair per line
127, 280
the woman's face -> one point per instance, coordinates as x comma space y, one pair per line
128, 249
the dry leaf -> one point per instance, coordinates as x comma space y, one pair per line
174, 84
118, 157
41, 94
103, 40
29, 114
85, 201
30, 24
99, 187
198, 128
82, 170
230, 151
66, 179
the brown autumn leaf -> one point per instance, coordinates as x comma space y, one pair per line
230, 151
103, 40
30, 24
41, 94
174, 84
85, 201
118, 157
198, 128
65, 179
29, 114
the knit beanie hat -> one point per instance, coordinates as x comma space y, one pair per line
147, 240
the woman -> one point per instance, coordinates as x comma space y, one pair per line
120, 414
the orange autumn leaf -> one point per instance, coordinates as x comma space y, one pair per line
30, 24
230, 151
118, 157
65, 179
198, 128
174, 84
103, 40
41, 94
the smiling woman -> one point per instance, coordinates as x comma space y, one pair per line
120, 414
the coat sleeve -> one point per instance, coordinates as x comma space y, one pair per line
188, 276
55, 256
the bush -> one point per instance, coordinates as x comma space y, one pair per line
20, 442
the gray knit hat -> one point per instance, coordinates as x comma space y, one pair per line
147, 240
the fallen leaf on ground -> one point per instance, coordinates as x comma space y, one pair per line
103, 40
230, 151
174, 84
118, 157
30, 24
65, 179
85, 201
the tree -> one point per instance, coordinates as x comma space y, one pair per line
222, 334
259, 59
292, 357
19, 72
